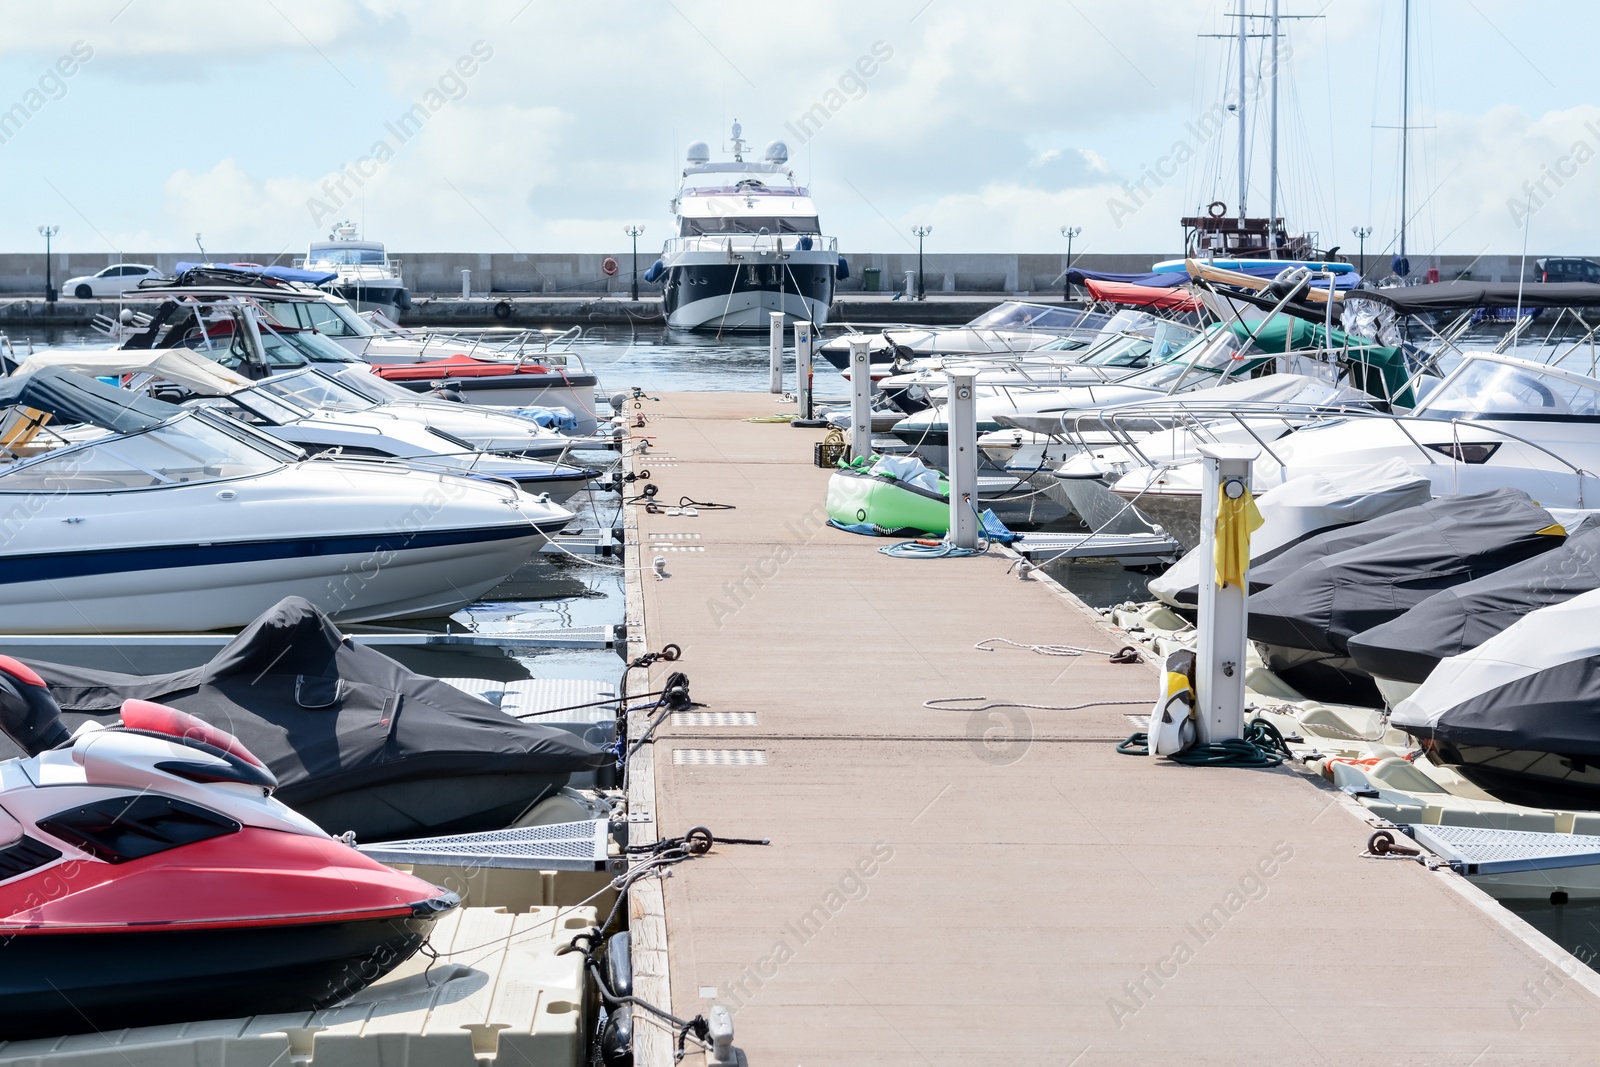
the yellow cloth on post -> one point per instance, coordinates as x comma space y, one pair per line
1237, 519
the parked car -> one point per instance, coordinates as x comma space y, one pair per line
1565, 270
113, 281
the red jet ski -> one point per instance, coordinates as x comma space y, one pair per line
147, 876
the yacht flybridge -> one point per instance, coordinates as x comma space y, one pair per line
747, 243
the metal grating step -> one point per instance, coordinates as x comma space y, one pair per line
719, 757
713, 718
558, 846
1477, 850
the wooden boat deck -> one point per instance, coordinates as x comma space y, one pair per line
933, 897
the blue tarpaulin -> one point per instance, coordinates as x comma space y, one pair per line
282, 274
1166, 279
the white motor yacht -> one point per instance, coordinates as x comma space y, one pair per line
171, 519
366, 276
747, 243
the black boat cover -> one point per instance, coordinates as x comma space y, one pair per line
79, 398
1450, 622
357, 741
1329, 588
1520, 714
1463, 296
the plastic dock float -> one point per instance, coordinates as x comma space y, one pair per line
1517, 864
558, 846
1125, 548
498, 994
584, 543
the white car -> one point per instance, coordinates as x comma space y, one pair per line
113, 281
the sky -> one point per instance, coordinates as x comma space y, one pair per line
543, 127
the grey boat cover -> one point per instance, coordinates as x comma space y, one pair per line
334, 720
1301, 508
1333, 586
1531, 689
1455, 620
1462, 296
79, 398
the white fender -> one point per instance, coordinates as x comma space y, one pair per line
1172, 725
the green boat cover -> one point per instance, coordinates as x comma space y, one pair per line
1373, 368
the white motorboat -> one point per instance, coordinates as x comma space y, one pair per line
1495, 421
315, 412
748, 243
1008, 328
366, 276
174, 519
510, 368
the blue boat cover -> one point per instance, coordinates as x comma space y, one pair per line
78, 398
282, 274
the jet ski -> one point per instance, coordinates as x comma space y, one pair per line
148, 876
356, 741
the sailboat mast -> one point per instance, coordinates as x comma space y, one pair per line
1244, 179
1405, 114
1272, 151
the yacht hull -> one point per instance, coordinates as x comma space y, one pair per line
195, 587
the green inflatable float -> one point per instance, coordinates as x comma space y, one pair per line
890, 494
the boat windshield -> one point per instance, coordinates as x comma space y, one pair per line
314, 347
335, 320
1485, 388
717, 225
360, 378
313, 389
183, 451
1013, 315
1208, 358
345, 257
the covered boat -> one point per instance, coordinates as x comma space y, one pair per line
1520, 714
894, 493
1300, 509
1406, 650
1329, 588
355, 740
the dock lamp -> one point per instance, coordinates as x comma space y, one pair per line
1069, 232
921, 232
633, 231
48, 232
1362, 233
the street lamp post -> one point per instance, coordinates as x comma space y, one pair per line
633, 231
1069, 232
48, 232
1362, 233
921, 232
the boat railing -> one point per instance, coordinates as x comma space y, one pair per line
492, 342
728, 244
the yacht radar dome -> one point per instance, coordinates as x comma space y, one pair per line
777, 152
699, 152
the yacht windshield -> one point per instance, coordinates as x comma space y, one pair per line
315, 347
360, 378
1215, 354
345, 257
716, 225
334, 320
183, 451
1487, 388
314, 390
1016, 316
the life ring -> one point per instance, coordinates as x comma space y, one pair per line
609, 266
502, 309
1216, 209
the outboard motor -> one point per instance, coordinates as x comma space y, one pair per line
29, 715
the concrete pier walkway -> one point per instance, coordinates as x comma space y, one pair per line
961, 887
